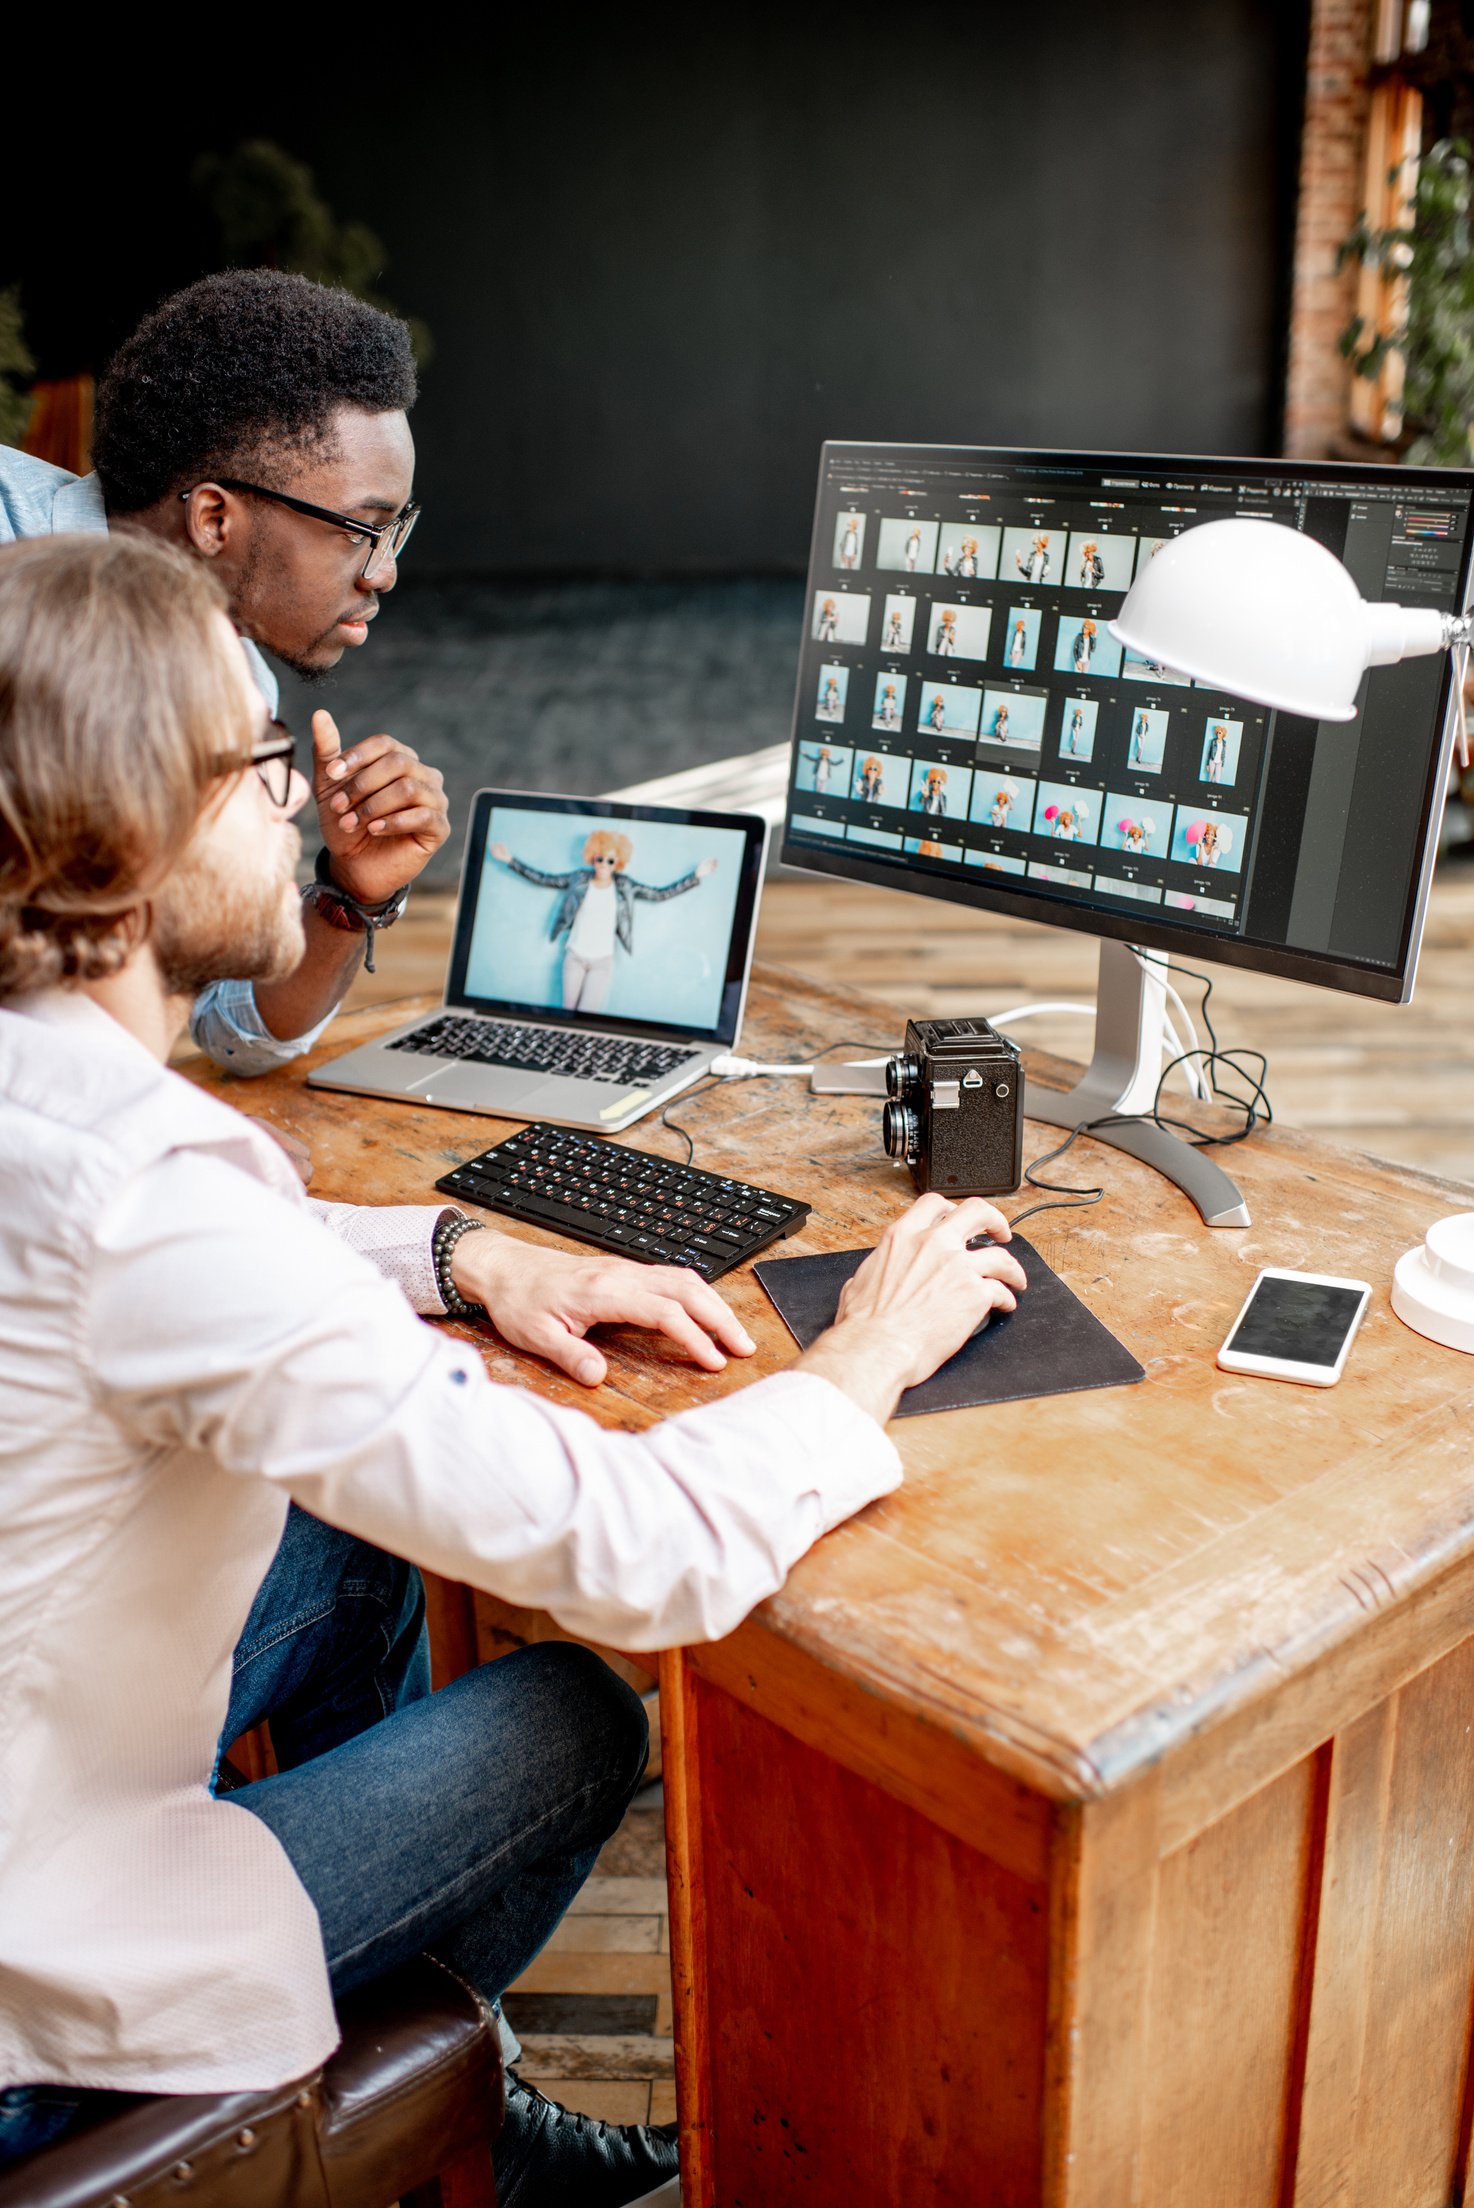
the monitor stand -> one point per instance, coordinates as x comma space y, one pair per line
1123, 1076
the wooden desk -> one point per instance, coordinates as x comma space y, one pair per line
1090, 1822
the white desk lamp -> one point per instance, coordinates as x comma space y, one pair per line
1269, 614
1273, 616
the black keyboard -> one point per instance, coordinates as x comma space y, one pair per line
624, 1059
625, 1200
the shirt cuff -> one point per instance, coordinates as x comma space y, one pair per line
228, 1028
397, 1241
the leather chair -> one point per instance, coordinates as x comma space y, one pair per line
406, 2110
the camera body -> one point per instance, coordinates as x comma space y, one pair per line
956, 1109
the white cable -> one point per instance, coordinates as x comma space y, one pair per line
1183, 1013
743, 1069
1192, 1072
1197, 1079
1148, 958
1170, 1037
729, 1068
1027, 1011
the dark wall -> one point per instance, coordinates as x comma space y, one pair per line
661, 268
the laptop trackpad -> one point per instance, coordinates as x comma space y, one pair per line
500, 1090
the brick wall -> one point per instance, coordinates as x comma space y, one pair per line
1337, 102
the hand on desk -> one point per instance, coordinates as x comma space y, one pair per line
546, 1301
920, 1294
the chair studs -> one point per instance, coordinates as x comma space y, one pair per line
183, 2172
245, 2139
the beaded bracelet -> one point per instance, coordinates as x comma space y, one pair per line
449, 1228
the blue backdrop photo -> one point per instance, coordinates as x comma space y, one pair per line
679, 961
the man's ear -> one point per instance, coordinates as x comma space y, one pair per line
213, 520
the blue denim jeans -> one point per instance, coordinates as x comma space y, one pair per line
464, 1821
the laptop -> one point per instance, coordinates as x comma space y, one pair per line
600, 963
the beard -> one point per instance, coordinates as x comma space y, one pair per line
306, 670
208, 928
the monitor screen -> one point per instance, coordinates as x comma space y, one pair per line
967, 727
639, 916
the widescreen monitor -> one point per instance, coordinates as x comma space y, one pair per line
966, 727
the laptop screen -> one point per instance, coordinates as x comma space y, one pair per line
634, 917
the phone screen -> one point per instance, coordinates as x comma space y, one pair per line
1304, 1322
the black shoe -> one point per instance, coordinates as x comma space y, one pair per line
547, 2156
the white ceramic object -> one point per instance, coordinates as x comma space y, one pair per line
1269, 614
1433, 1286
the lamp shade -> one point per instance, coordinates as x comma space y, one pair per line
1269, 614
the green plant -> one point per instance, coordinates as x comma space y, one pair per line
16, 367
271, 215
1435, 334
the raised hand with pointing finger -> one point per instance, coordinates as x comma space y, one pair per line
382, 811
383, 815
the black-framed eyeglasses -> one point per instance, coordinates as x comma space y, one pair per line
274, 759
385, 540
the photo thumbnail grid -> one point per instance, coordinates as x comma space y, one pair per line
924, 641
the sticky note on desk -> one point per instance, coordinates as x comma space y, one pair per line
1051, 1345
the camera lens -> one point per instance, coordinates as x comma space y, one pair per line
902, 1132
901, 1076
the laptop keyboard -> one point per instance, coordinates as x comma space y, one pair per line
629, 1201
623, 1060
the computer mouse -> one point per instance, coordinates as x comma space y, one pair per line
982, 1326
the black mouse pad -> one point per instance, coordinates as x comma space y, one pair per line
1051, 1345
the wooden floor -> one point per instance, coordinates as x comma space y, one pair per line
594, 2011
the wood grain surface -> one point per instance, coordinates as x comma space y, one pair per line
1072, 1585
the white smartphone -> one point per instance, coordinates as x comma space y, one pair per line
1296, 1326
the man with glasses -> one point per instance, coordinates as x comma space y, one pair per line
186, 1343
259, 422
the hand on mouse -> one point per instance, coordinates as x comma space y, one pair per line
922, 1291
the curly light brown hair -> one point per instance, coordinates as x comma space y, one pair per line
119, 710
608, 843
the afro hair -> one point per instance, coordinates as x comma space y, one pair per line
235, 375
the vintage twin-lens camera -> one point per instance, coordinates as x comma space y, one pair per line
956, 1110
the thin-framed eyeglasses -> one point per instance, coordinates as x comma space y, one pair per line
273, 757
385, 540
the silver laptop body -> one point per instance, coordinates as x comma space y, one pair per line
599, 963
